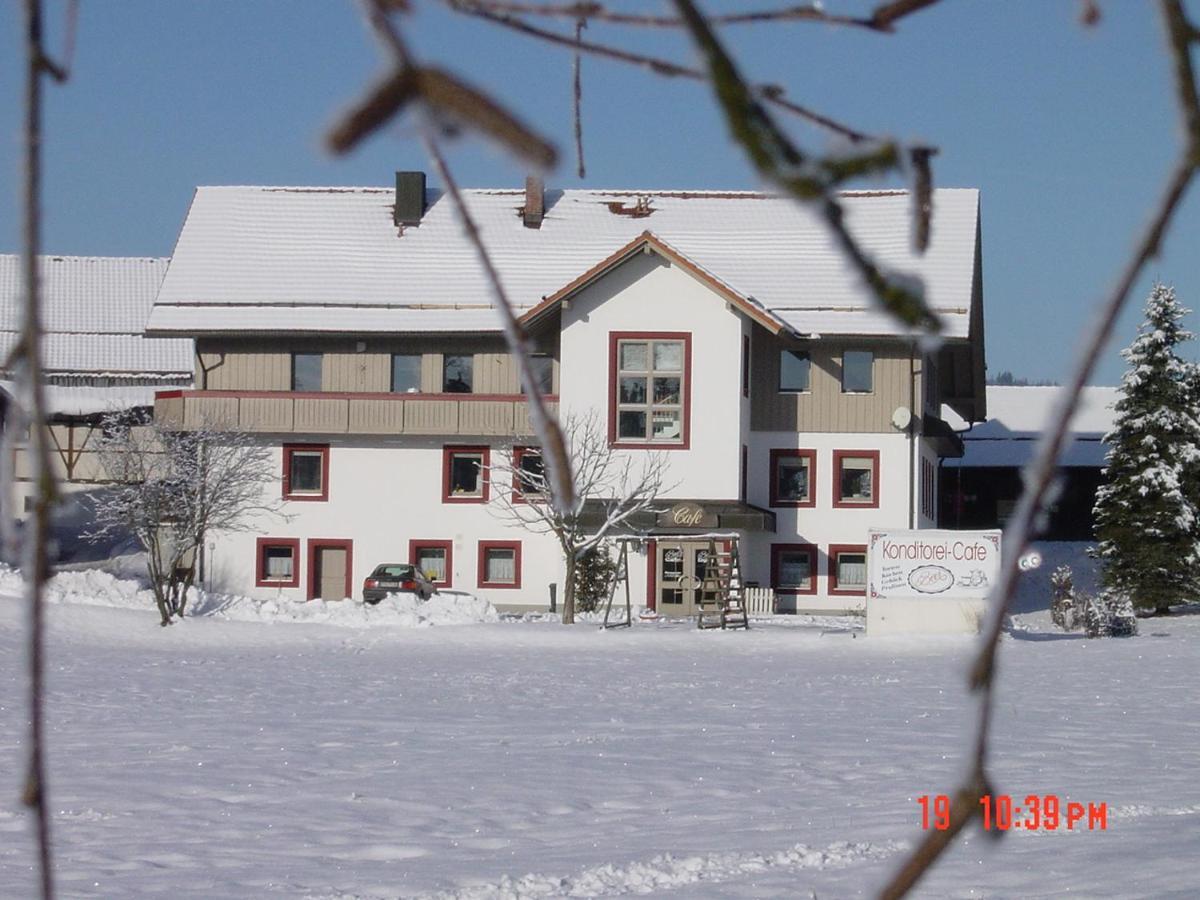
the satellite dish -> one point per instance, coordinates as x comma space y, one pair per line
902, 418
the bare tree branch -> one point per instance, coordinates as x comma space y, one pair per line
779, 160
577, 99
35, 560
1040, 474
767, 93
804, 12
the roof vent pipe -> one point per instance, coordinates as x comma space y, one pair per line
535, 202
410, 198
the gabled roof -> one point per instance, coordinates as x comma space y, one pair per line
94, 312
649, 242
331, 259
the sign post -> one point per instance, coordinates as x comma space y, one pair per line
930, 582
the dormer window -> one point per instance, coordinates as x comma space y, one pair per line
650, 389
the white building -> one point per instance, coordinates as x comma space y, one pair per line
352, 330
97, 358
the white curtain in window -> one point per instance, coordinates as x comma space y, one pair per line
433, 563
279, 564
501, 566
852, 570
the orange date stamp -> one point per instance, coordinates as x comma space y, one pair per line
1000, 812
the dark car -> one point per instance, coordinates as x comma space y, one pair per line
396, 578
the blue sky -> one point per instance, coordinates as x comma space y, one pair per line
1068, 132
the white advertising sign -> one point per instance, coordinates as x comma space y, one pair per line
929, 581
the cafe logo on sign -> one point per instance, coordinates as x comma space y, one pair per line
687, 515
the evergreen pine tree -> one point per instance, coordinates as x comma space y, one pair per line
1146, 512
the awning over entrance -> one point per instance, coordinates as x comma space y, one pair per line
685, 517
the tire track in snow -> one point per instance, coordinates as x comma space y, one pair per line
667, 871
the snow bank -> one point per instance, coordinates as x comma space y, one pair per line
93, 587
402, 611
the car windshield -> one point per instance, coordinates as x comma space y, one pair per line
397, 571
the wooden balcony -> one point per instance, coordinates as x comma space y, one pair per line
287, 412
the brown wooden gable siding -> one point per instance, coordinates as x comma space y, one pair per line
824, 407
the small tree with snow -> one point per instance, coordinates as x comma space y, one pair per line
1146, 513
173, 488
611, 486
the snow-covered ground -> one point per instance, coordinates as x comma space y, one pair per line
229, 757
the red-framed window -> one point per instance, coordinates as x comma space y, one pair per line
856, 479
305, 471
746, 366
794, 568
316, 559
499, 564
277, 562
848, 569
650, 389
435, 559
465, 474
793, 475
528, 474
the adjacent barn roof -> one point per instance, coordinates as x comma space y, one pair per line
94, 312
331, 259
1017, 416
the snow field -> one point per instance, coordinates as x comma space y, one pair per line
223, 758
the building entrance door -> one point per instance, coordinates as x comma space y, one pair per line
680, 568
329, 569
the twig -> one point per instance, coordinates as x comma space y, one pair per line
554, 449
767, 93
778, 159
35, 562
1039, 475
577, 98
805, 12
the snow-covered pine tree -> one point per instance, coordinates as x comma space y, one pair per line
1146, 510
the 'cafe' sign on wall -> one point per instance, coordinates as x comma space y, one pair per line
687, 515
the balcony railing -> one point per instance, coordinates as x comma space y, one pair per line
289, 412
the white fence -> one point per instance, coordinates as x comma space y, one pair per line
760, 601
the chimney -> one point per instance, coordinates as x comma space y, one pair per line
410, 198
535, 202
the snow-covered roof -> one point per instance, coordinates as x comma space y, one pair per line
1017, 417
331, 259
94, 312
82, 400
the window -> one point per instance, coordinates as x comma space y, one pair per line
435, 559
856, 478
793, 476
464, 474
306, 371
930, 378
306, 471
278, 562
794, 568
529, 474
541, 366
499, 564
794, 370
650, 390
847, 569
406, 373
744, 475
857, 368
457, 374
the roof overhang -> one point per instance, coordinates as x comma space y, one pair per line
648, 242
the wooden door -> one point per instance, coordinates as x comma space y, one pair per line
329, 569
